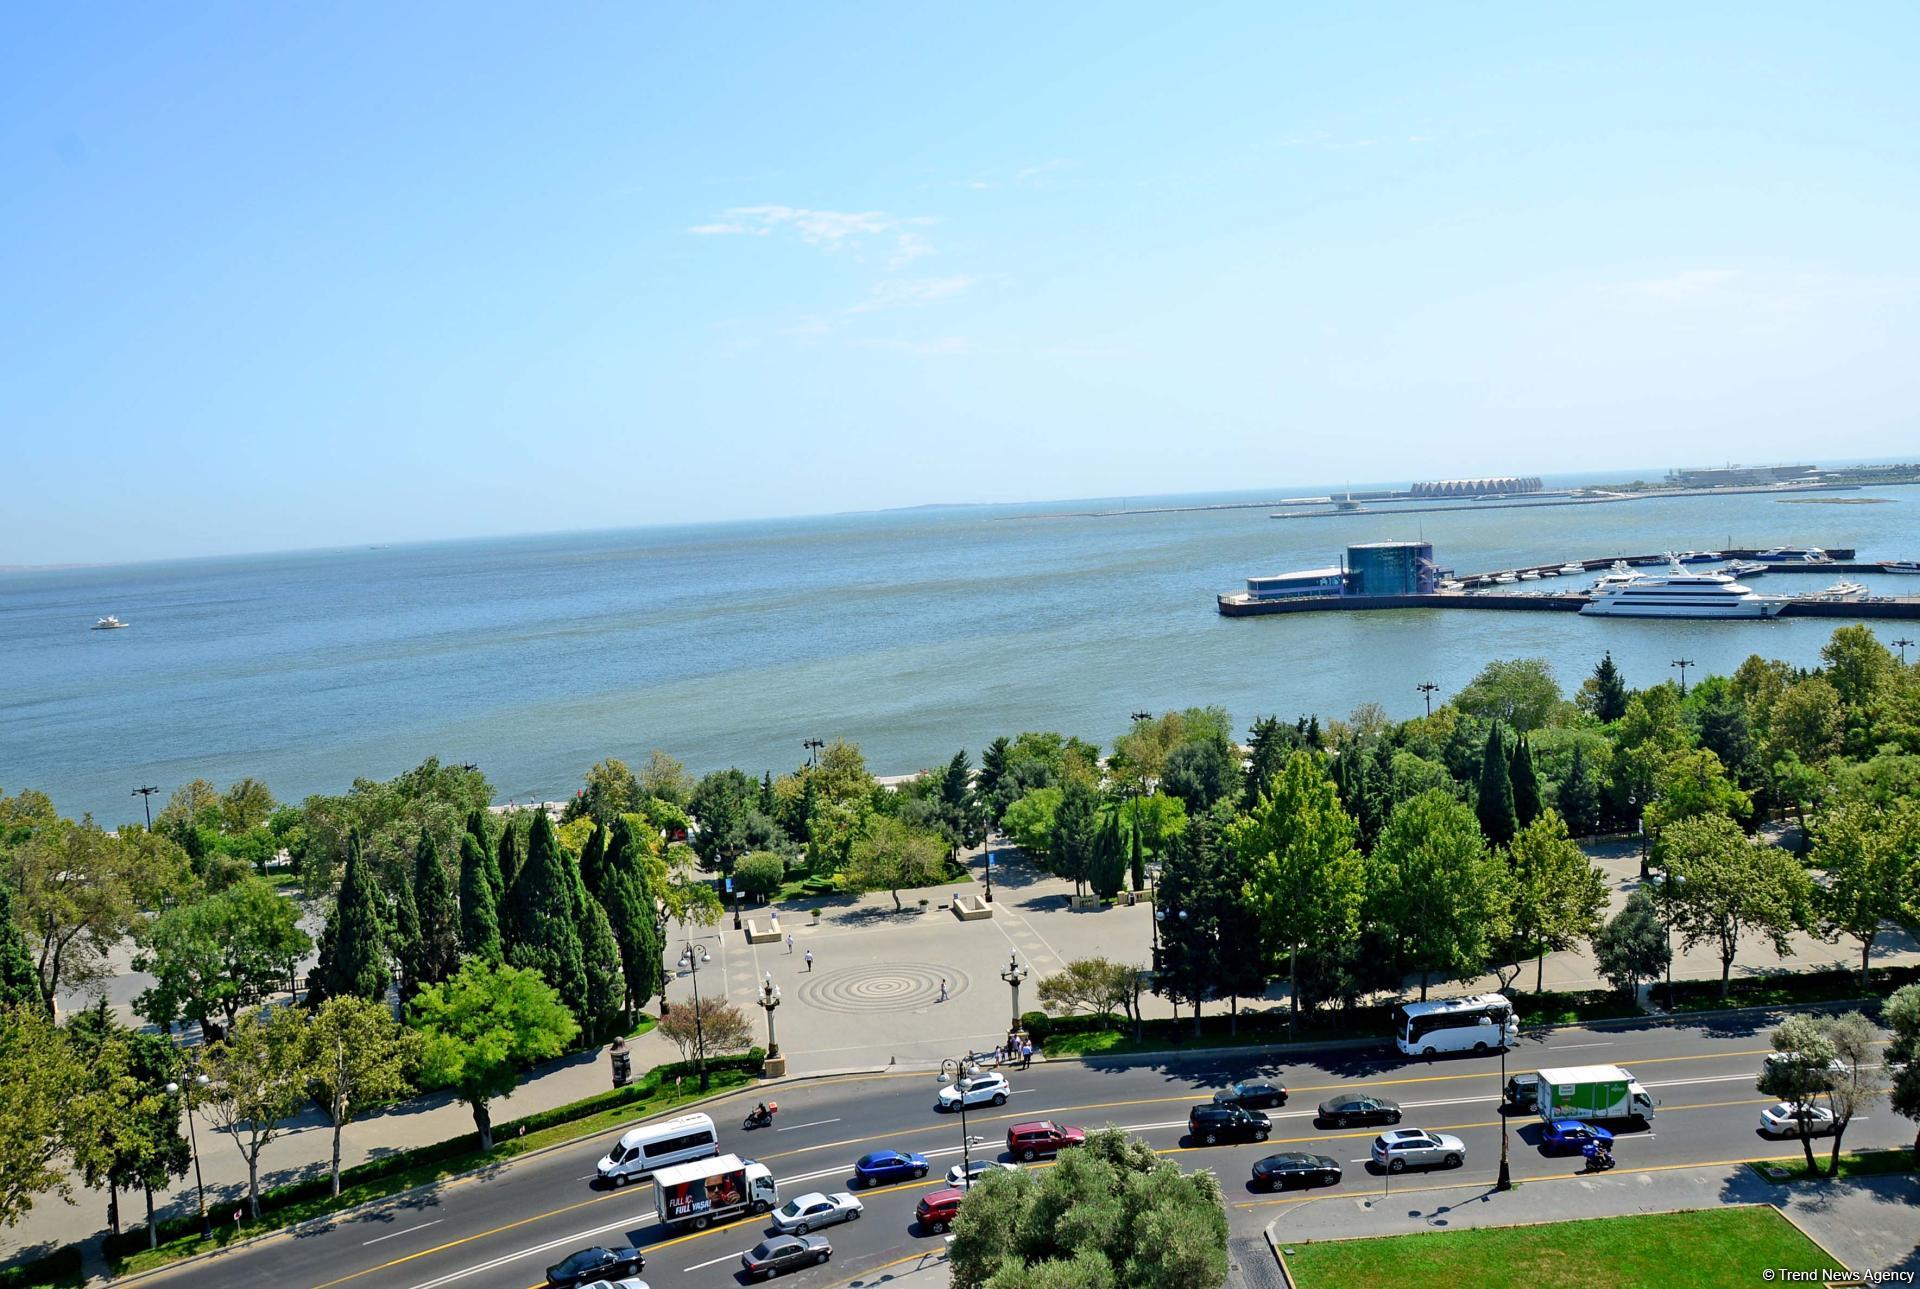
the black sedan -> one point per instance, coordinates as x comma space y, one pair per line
1278, 1172
1341, 1111
596, 1264
785, 1253
1251, 1096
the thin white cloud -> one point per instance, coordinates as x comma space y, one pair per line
907, 248
1676, 288
728, 230
829, 228
902, 293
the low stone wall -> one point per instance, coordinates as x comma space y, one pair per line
971, 908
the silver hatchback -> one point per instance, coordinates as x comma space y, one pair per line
1405, 1147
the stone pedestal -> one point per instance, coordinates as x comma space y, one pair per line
776, 1068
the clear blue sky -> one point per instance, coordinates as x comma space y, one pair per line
283, 275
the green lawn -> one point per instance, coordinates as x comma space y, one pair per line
1707, 1249
1853, 1163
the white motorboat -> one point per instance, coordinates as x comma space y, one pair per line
1744, 568
1795, 555
1842, 590
1530, 576
1569, 569
1506, 579
110, 623
1900, 566
1680, 594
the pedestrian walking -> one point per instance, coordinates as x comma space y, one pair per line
943, 989
809, 959
789, 942
1026, 1053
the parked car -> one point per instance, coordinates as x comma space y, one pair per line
965, 1175
1355, 1108
1405, 1147
1029, 1141
1294, 1168
628, 1282
978, 1089
1571, 1135
1819, 1079
1252, 1096
1215, 1123
936, 1208
888, 1166
784, 1253
597, 1263
814, 1210
1785, 1119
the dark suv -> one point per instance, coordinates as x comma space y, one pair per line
1214, 1123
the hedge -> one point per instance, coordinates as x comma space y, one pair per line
1831, 985
61, 1267
643, 1088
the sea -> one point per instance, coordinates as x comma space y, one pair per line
912, 633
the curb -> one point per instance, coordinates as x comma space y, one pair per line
338, 1215
1279, 1258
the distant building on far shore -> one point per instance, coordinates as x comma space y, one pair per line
1734, 476
1497, 486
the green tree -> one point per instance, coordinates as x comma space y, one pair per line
1110, 1213
40, 1082
1269, 744
715, 1026
634, 915
1632, 947
258, 1080
1824, 1059
1859, 667
1807, 721
1726, 886
1520, 692
128, 1123
436, 954
612, 790
1868, 856
478, 832
665, 778
961, 811
1580, 797
1094, 986
356, 1055
1499, 819
1446, 905
19, 982
1902, 1056
1075, 825
724, 804
603, 1000
1608, 692
211, 957
480, 1029
353, 958
1307, 877
891, 857
540, 929
507, 858
759, 875
1029, 821
1525, 782
1690, 784
1107, 873
993, 769
479, 913
1200, 774
1559, 896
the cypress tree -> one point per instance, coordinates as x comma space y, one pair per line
479, 913
627, 897
1526, 783
1108, 870
602, 1001
438, 906
353, 949
1076, 825
1609, 691
1495, 808
592, 856
541, 927
508, 859
1580, 797
767, 803
19, 980
477, 829
405, 942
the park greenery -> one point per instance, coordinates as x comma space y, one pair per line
450, 943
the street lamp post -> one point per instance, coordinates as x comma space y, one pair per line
769, 1000
987, 843
146, 793
1013, 975
1505, 1183
1683, 664
195, 1079
693, 957
1427, 689
1902, 644
961, 1068
813, 746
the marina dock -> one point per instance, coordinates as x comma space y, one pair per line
1241, 606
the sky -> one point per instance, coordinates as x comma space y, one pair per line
282, 276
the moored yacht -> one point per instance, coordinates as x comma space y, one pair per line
1680, 594
110, 623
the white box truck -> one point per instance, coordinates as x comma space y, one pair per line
712, 1190
1590, 1093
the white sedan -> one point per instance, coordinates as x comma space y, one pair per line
980, 1089
961, 1176
1783, 1119
631, 1282
814, 1210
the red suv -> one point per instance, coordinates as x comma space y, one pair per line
1028, 1141
936, 1209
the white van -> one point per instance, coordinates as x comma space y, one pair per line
655, 1145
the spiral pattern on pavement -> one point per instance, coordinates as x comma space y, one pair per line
879, 987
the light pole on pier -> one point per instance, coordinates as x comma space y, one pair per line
1683, 664
146, 794
1427, 689
1902, 646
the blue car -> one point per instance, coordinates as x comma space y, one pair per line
888, 1166
1571, 1135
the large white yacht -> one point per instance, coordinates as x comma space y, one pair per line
110, 623
1679, 594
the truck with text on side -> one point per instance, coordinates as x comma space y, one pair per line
1589, 1093
699, 1194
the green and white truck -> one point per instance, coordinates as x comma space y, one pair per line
1590, 1093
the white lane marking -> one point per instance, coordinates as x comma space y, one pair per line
1568, 1047
725, 1257
409, 1231
795, 1127
642, 1218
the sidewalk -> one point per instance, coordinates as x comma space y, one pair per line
1867, 1224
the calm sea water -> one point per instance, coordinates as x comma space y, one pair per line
913, 633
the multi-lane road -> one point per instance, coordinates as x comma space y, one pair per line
501, 1230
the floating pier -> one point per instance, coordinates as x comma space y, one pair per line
1242, 606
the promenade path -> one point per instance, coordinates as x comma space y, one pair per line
872, 998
